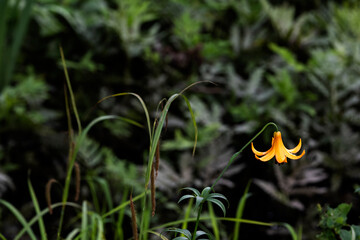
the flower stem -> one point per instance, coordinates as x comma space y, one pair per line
237, 153
197, 221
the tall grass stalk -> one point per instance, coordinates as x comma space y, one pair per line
39, 215
37, 210
79, 141
240, 210
214, 224
20, 218
9, 50
119, 233
187, 214
226, 219
84, 221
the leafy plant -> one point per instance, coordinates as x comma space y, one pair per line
333, 222
11, 36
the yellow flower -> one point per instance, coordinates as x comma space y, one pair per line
278, 150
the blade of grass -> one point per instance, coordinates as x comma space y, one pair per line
17, 39
3, 50
158, 234
156, 137
123, 205
153, 144
20, 218
72, 234
142, 104
107, 193
100, 227
147, 217
37, 210
187, 214
240, 210
299, 235
214, 224
84, 221
119, 229
93, 193
2, 237
80, 140
73, 103
247, 221
194, 123
291, 230
42, 213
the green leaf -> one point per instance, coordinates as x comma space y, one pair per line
214, 223
42, 213
288, 57
196, 192
218, 195
240, 210
181, 231
186, 197
84, 221
291, 230
205, 192
156, 137
20, 218
194, 122
219, 203
335, 218
199, 200
199, 233
37, 210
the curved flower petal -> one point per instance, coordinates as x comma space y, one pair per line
279, 151
292, 156
268, 156
258, 152
295, 149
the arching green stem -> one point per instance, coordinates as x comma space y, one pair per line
237, 153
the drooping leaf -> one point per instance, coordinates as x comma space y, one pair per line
186, 197
218, 203
196, 192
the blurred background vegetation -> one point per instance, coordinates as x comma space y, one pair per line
296, 63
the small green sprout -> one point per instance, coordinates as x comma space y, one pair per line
187, 234
205, 196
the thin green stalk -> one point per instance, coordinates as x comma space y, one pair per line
291, 230
120, 232
169, 224
20, 218
42, 213
187, 214
73, 103
19, 30
213, 221
84, 221
37, 210
197, 221
79, 142
121, 206
240, 210
2, 237
237, 153
3, 28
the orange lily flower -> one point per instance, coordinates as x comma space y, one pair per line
278, 150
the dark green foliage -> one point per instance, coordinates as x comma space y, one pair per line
333, 224
295, 63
